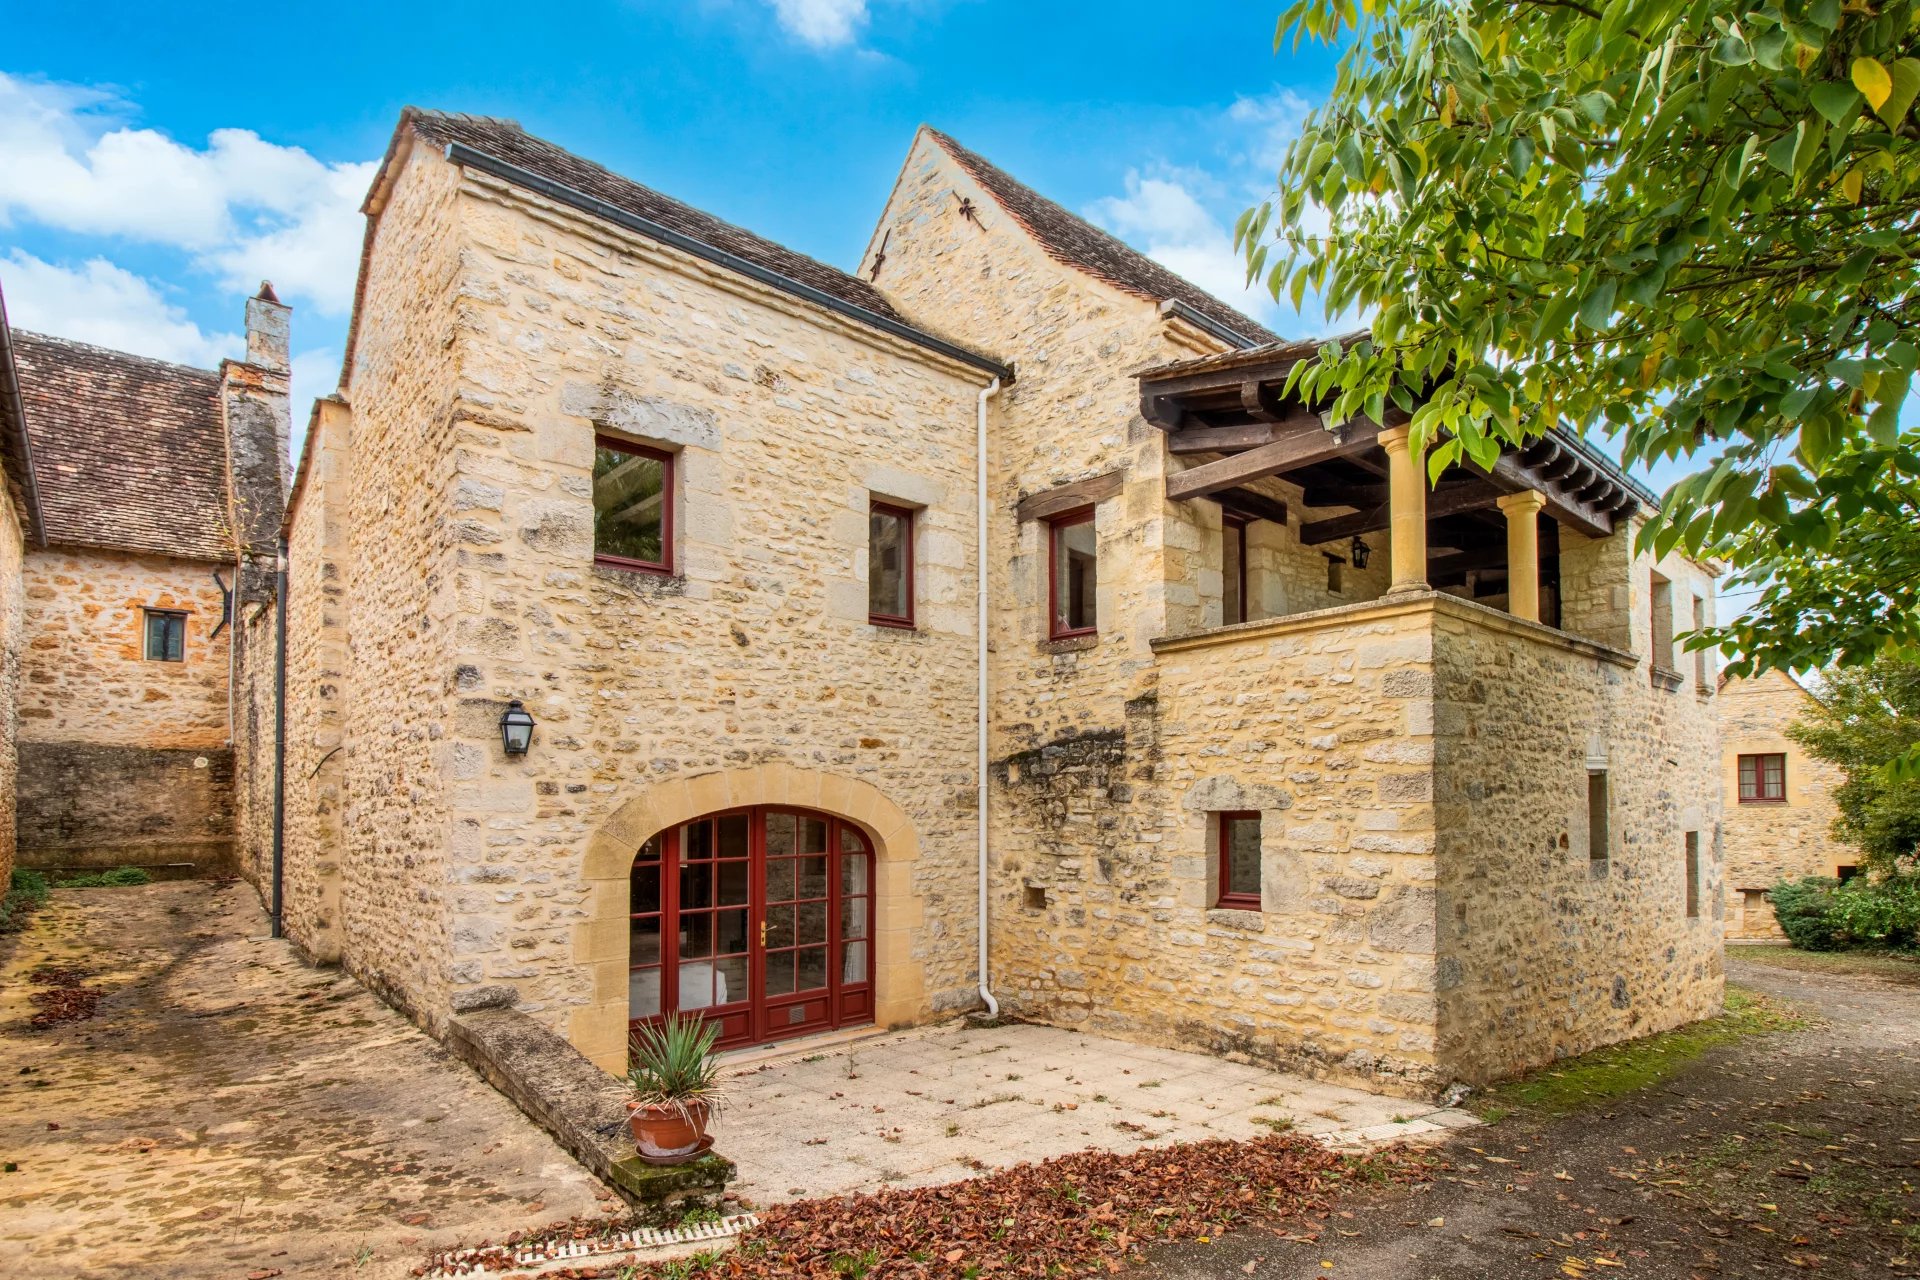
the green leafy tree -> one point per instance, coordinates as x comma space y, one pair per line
1865, 718
1693, 223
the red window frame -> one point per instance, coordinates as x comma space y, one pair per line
1056, 527
1234, 527
1754, 783
906, 516
664, 565
1226, 897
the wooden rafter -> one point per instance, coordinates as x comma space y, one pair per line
1452, 501
1300, 446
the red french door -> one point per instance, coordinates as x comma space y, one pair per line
760, 919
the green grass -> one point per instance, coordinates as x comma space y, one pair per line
26, 894
1903, 965
1614, 1072
119, 877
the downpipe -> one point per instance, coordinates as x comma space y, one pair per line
980, 633
279, 740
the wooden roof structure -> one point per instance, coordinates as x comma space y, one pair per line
1230, 408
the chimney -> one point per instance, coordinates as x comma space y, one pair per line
267, 330
255, 399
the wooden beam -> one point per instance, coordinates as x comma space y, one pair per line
1299, 447
1233, 439
1163, 412
1343, 495
1565, 502
1255, 506
1262, 401
1446, 502
1069, 497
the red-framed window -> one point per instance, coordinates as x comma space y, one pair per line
632, 506
1239, 861
1073, 575
890, 587
1763, 778
1233, 569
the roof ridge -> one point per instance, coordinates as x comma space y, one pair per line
990, 175
116, 352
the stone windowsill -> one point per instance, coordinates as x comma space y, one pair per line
1234, 918
1668, 679
1071, 644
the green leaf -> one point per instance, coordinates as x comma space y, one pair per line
1837, 102
1596, 309
1904, 76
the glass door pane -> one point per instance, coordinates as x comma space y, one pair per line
644, 953
712, 935
796, 904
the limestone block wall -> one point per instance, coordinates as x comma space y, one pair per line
122, 761
1768, 842
1543, 950
84, 675
393, 912
12, 639
1319, 723
749, 676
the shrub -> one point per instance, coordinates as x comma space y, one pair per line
26, 893
1804, 909
1819, 913
119, 877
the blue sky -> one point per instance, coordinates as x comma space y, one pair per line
154, 168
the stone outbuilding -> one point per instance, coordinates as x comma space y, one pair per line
151, 485
1780, 810
678, 623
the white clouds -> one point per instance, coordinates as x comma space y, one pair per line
108, 306
1182, 217
242, 209
824, 24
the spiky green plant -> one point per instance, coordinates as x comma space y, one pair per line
670, 1064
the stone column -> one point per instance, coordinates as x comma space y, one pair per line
1407, 505
1523, 552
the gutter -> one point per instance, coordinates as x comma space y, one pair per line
280, 742
980, 623
1199, 320
461, 154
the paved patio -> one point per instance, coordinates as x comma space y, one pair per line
942, 1103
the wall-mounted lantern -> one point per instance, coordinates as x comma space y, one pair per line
1360, 553
516, 729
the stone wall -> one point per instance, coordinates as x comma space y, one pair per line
1545, 951
123, 761
12, 641
749, 675
1770, 842
96, 806
85, 677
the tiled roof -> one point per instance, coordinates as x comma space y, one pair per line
1075, 242
16, 453
129, 453
506, 140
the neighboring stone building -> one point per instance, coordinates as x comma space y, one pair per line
1779, 800
709, 510
144, 471
19, 528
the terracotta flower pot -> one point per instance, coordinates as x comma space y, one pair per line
663, 1133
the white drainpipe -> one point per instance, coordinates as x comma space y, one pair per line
980, 622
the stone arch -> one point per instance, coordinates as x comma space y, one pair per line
599, 1030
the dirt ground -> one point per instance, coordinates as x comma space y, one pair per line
1794, 1153
228, 1112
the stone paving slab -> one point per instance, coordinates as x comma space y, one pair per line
943, 1103
229, 1110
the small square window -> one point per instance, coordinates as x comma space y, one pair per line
1073, 575
889, 565
166, 636
632, 506
1763, 778
1239, 861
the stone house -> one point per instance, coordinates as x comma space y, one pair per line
19, 528
145, 477
1262, 745
1780, 810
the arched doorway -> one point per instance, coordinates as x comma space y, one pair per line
760, 918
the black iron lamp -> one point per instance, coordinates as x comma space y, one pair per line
516, 729
1359, 553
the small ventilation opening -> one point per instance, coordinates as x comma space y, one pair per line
1036, 898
